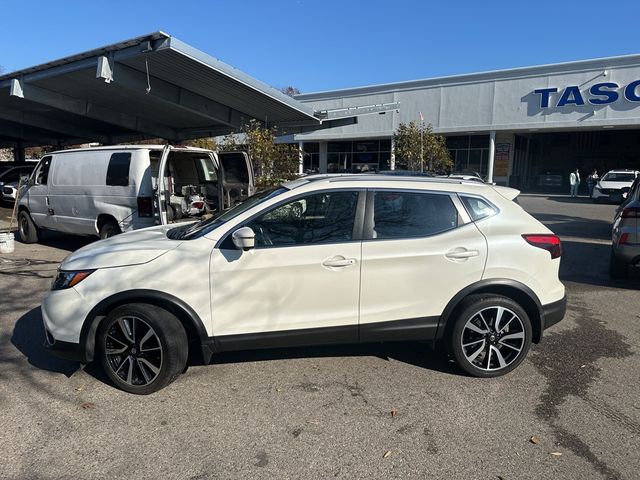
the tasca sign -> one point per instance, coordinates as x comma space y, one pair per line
598, 94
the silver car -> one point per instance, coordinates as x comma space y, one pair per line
625, 249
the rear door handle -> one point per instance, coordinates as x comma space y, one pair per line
459, 254
338, 262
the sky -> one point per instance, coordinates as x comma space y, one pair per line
330, 44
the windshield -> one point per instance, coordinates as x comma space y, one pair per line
196, 230
619, 177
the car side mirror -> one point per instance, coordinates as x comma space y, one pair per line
244, 239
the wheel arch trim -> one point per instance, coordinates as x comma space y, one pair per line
194, 327
513, 289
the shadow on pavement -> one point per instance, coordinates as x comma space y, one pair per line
413, 353
565, 225
64, 241
588, 263
28, 338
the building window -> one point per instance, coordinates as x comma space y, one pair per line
470, 153
311, 157
358, 156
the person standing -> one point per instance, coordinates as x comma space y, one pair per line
592, 179
574, 182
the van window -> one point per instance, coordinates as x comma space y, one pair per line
42, 174
118, 170
235, 168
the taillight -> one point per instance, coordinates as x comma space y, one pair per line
631, 212
550, 243
624, 238
145, 206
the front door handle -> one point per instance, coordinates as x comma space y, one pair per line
338, 262
461, 254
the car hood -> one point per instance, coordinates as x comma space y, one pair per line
133, 248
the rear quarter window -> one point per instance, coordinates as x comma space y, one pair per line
478, 208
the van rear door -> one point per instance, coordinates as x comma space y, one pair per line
160, 195
237, 178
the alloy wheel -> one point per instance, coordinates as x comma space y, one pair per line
493, 338
133, 351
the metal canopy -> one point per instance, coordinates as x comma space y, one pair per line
153, 86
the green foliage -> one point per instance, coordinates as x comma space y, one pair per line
417, 148
273, 163
207, 143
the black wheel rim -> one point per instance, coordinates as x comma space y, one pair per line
493, 338
133, 351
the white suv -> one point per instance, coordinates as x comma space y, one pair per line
321, 260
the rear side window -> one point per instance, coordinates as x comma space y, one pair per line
478, 208
118, 170
400, 214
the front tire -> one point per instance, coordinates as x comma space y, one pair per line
27, 230
142, 348
491, 335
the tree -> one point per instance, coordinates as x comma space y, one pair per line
417, 148
207, 143
291, 91
273, 162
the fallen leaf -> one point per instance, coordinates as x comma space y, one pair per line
535, 439
556, 454
88, 405
394, 412
386, 454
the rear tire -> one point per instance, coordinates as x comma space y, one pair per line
491, 335
617, 269
142, 348
27, 230
108, 229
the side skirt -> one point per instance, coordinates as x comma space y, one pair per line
397, 330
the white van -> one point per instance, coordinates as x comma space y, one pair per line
107, 190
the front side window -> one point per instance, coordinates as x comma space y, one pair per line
318, 218
118, 169
399, 214
42, 173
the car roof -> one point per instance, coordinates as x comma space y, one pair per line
623, 170
365, 179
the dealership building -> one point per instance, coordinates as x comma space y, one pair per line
525, 127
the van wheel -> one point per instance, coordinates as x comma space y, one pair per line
491, 336
27, 230
617, 269
109, 228
142, 348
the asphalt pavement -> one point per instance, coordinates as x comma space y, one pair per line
373, 411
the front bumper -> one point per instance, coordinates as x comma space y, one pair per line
67, 350
554, 312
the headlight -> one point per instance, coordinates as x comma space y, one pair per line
69, 279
